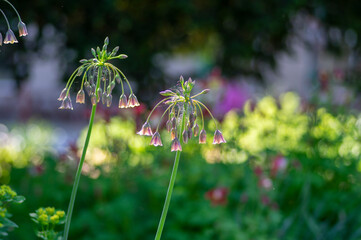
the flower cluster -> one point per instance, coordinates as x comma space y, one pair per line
7, 195
10, 36
98, 78
47, 219
182, 111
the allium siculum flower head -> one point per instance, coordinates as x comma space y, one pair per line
66, 104
196, 130
173, 133
183, 113
62, 94
10, 37
176, 145
23, 31
146, 130
190, 132
156, 141
80, 97
132, 101
98, 76
169, 125
123, 103
218, 137
185, 136
109, 99
202, 137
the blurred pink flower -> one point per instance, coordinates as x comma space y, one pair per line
279, 164
265, 182
234, 97
217, 196
258, 171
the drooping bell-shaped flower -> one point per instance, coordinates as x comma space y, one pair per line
190, 132
109, 100
202, 136
173, 133
104, 98
118, 79
93, 98
88, 88
169, 125
10, 37
100, 94
196, 130
185, 136
176, 146
192, 119
133, 101
174, 122
146, 130
218, 137
123, 103
66, 104
23, 31
156, 140
80, 97
62, 94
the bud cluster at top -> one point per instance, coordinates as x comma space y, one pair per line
98, 78
184, 112
10, 36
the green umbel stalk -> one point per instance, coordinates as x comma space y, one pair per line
78, 172
170, 188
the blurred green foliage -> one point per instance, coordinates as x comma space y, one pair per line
23, 145
7, 197
283, 174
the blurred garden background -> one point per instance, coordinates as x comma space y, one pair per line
285, 82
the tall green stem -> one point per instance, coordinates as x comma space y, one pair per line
80, 166
168, 197
170, 188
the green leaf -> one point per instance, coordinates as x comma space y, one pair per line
19, 199
9, 223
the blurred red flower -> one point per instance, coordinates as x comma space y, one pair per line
217, 196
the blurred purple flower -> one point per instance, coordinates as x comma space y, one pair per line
234, 97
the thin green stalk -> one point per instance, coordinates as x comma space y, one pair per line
14, 9
170, 189
78, 172
168, 197
7, 22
